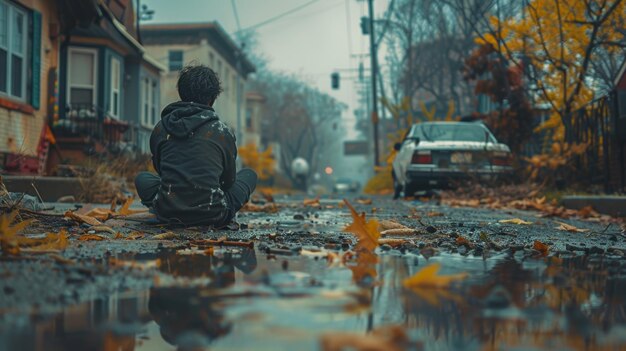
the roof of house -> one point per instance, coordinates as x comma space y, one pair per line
190, 33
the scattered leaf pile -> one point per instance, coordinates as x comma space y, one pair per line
521, 197
13, 244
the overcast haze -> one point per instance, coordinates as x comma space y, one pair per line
311, 42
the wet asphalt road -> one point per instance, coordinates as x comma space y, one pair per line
161, 294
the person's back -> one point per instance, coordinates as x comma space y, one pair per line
194, 155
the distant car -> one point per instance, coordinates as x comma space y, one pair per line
433, 153
346, 185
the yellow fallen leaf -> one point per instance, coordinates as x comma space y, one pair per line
82, 218
91, 237
101, 214
135, 236
366, 231
398, 231
515, 221
125, 209
388, 224
367, 240
53, 241
570, 228
312, 202
8, 234
164, 236
364, 201
427, 278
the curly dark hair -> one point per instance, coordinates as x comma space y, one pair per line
199, 84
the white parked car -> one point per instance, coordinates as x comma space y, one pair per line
434, 153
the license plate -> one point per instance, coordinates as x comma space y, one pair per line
461, 157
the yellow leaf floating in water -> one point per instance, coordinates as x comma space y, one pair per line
427, 277
367, 240
515, 221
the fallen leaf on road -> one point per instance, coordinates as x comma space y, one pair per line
267, 208
427, 278
398, 231
52, 241
135, 236
8, 234
165, 236
366, 231
392, 242
312, 202
434, 214
367, 240
541, 247
125, 209
101, 214
515, 221
118, 236
82, 218
91, 237
386, 224
390, 338
364, 201
462, 241
570, 228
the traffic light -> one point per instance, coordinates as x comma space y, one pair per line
365, 25
334, 80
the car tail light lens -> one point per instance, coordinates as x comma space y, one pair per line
501, 161
422, 157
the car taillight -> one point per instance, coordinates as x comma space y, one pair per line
504, 161
422, 157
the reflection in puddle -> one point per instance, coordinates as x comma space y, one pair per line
245, 300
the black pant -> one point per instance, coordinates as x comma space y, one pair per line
148, 184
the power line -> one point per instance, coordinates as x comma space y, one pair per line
236, 15
348, 27
277, 17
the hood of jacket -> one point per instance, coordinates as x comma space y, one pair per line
181, 119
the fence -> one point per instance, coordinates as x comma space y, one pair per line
602, 163
91, 125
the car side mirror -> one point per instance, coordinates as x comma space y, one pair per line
397, 146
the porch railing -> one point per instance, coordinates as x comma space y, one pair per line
90, 124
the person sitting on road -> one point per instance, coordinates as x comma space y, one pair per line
194, 155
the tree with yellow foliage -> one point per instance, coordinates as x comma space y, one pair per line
262, 162
556, 41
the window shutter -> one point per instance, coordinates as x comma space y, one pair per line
36, 61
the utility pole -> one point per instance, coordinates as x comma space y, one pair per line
374, 63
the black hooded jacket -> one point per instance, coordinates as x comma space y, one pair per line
194, 153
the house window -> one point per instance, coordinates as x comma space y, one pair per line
13, 43
150, 102
81, 79
114, 104
176, 60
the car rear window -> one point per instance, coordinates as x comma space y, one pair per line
451, 132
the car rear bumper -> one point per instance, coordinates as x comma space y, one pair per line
431, 175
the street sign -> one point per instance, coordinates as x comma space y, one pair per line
356, 148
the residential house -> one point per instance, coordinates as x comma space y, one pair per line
176, 45
108, 86
29, 55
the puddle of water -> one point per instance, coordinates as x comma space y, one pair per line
241, 299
